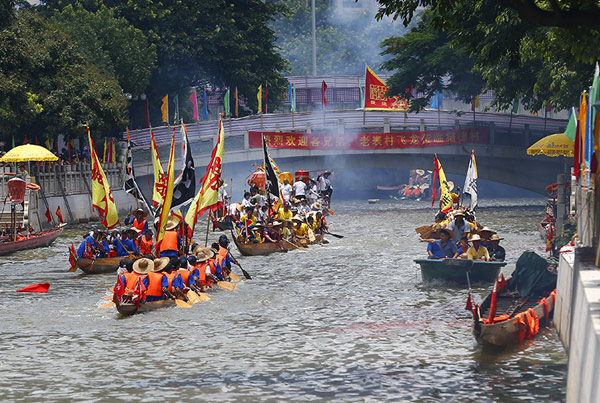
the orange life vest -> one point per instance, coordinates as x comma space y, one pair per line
170, 277
139, 224
169, 242
202, 273
154, 284
185, 276
221, 256
131, 280
145, 247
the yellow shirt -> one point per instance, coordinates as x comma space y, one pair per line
251, 221
478, 254
282, 215
302, 230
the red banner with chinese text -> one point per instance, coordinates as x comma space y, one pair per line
369, 141
375, 99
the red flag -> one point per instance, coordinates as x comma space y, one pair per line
69, 151
139, 293
37, 141
48, 215
59, 215
323, 89
119, 290
469, 306
72, 256
25, 141
501, 282
43, 287
146, 113
548, 107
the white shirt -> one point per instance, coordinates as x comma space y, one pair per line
222, 193
299, 188
286, 192
303, 210
246, 202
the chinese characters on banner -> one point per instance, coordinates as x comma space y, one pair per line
369, 141
375, 99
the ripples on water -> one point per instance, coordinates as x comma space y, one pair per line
350, 320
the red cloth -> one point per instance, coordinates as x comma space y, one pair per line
43, 287
323, 89
59, 215
577, 153
48, 215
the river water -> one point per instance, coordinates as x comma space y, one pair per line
347, 321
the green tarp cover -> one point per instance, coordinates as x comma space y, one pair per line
531, 276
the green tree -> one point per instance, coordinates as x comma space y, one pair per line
517, 58
112, 44
227, 43
47, 87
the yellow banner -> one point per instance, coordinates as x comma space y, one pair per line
102, 198
166, 206
259, 98
164, 109
160, 179
446, 200
208, 195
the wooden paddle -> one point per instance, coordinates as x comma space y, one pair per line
193, 297
311, 236
331, 211
422, 229
107, 305
244, 272
335, 235
203, 296
107, 297
235, 277
293, 245
226, 285
182, 304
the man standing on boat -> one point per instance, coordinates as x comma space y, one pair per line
171, 242
459, 226
324, 186
286, 190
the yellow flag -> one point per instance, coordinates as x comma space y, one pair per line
113, 154
208, 195
166, 206
47, 143
583, 107
104, 154
160, 179
259, 98
477, 101
164, 109
102, 198
446, 200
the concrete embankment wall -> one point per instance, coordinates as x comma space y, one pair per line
577, 320
68, 187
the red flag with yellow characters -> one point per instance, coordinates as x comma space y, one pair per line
375, 98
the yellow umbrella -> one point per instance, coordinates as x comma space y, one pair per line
553, 146
28, 152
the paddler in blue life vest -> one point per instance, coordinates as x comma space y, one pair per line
171, 242
158, 283
138, 221
123, 245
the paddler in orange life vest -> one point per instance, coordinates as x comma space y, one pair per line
176, 285
141, 268
158, 283
224, 259
139, 221
205, 269
171, 243
146, 244
189, 273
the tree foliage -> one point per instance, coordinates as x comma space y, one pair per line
47, 87
227, 43
517, 58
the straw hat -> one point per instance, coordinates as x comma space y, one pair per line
317, 206
487, 229
143, 266
450, 185
171, 225
203, 254
420, 172
475, 237
239, 207
134, 229
495, 237
297, 218
160, 263
457, 213
145, 214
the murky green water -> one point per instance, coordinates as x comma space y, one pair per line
346, 321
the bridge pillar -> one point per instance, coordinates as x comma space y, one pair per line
308, 128
340, 126
386, 125
246, 139
277, 127
422, 125
492, 131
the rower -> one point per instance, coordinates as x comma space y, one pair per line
87, 248
477, 251
284, 213
271, 234
188, 272
158, 283
171, 242
146, 244
459, 226
202, 271
223, 259
176, 285
497, 252
442, 248
139, 221
123, 246
303, 208
486, 233
141, 267
250, 219
324, 186
299, 227
286, 232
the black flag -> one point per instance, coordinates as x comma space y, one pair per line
130, 184
271, 179
185, 185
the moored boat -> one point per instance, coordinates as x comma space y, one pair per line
38, 239
99, 265
520, 306
454, 270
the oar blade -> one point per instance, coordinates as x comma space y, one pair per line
182, 304
193, 297
226, 285
234, 277
204, 297
72, 269
107, 305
